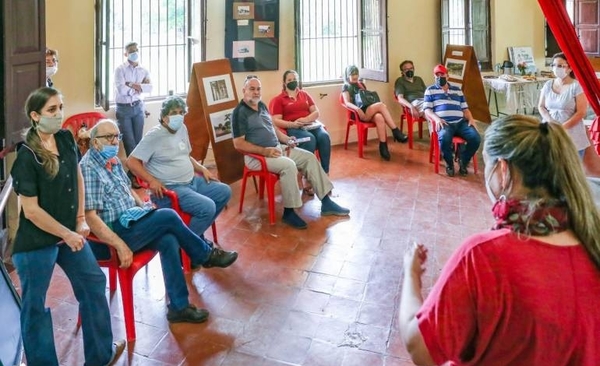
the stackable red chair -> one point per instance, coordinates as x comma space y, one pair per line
410, 120
362, 128
185, 217
434, 151
266, 178
140, 259
76, 121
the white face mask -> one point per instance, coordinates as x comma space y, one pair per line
51, 70
50, 125
560, 72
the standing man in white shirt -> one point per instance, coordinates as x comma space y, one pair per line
131, 80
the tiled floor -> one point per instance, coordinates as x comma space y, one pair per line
327, 295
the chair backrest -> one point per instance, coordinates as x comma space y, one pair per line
76, 121
352, 115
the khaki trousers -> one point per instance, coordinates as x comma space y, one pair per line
288, 166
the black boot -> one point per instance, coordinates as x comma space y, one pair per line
398, 135
383, 151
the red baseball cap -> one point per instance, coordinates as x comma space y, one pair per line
440, 69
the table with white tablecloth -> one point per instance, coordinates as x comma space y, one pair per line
521, 95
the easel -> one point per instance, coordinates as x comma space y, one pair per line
230, 163
470, 80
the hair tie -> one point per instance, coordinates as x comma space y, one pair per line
544, 128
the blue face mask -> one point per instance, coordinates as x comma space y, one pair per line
109, 151
175, 122
133, 57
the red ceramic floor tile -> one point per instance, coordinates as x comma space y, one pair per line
322, 296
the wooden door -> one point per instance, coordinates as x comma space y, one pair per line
587, 25
24, 68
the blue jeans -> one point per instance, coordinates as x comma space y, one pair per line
163, 230
319, 139
89, 285
131, 124
461, 129
204, 201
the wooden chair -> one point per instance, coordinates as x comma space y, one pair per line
266, 178
362, 128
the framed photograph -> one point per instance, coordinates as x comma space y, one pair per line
243, 10
264, 29
456, 68
218, 89
221, 124
243, 49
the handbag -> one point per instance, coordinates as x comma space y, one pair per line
365, 98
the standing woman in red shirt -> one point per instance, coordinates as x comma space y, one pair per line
525, 293
295, 111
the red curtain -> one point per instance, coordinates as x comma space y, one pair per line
564, 32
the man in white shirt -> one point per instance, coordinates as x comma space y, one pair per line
131, 80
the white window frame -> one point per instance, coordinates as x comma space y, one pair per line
333, 34
169, 44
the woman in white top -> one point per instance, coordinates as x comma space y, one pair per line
562, 101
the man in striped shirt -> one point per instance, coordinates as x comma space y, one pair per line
446, 107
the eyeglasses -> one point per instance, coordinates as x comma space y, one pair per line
111, 138
560, 66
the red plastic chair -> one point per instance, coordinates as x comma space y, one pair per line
185, 217
266, 178
75, 122
434, 151
140, 259
410, 121
362, 128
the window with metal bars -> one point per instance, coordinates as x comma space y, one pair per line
467, 22
333, 34
170, 36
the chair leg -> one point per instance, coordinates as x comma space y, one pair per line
347, 134
410, 125
420, 129
214, 232
271, 199
245, 177
360, 136
126, 282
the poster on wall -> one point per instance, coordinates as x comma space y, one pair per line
221, 124
243, 10
264, 29
456, 68
217, 89
243, 49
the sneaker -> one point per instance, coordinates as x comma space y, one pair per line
191, 314
333, 209
450, 171
462, 170
294, 220
218, 258
117, 350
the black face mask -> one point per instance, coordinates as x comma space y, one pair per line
441, 80
410, 73
292, 85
